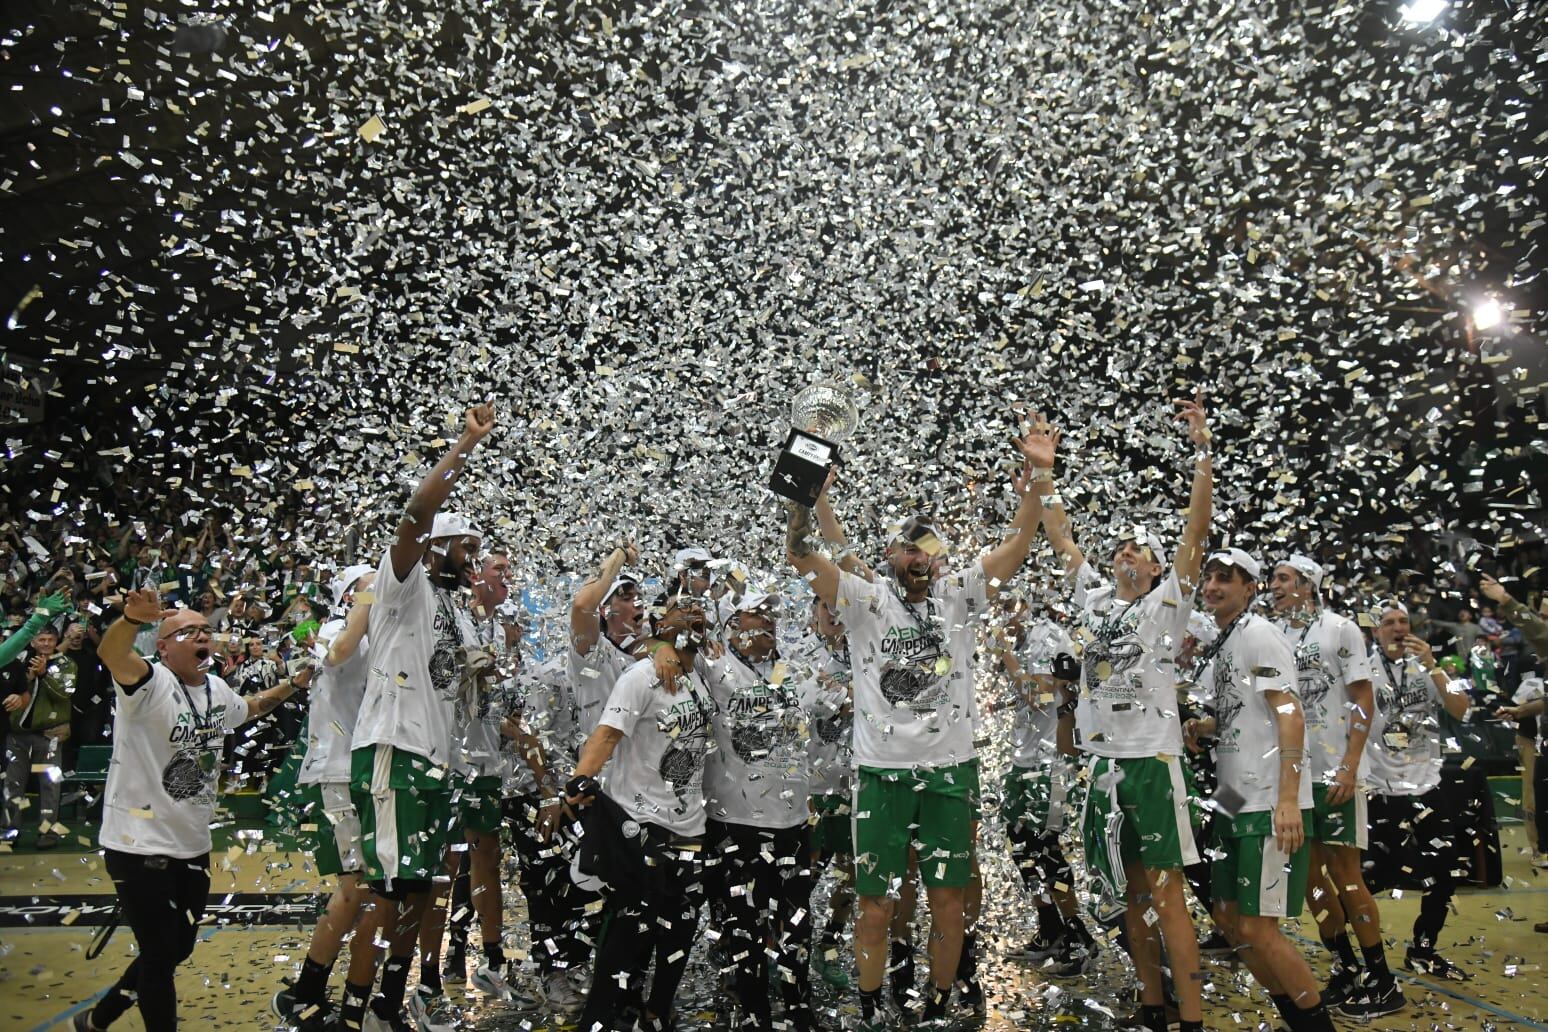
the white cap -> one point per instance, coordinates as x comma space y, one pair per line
1239, 559
618, 583
755, 602
1307, 567
1147, 537
346, 580
685, 556
453, 524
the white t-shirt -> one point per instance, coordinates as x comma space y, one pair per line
482, 705
1035, 725
411, 690
336, 695
548, 714
827, 684
163, 775
1405, 746
657, 771
1129, 675
913, 668
756, 772
1254, 659
592, 678
1329, 657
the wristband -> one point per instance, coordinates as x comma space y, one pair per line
126, 618
581, 786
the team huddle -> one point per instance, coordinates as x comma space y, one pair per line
694, 763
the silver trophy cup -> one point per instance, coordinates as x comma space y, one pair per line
822, 415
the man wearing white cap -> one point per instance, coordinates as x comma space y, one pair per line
328, 809
757, 783
1334, 676
692, 571
607, 618
402, 749
1264, 800
913, 638
1130, 633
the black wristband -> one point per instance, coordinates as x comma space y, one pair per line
581, 786
126, 618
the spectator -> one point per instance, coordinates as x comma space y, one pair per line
38, 702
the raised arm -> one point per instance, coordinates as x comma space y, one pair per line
432, 492
1201, 499
116, 649
1037, 454
818, 570
49, 606
585, 621
833, 533
1533, 627
268, 700
1055, 518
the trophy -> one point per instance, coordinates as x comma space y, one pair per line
821, 416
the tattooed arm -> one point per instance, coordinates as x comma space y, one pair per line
268, 701
818, 570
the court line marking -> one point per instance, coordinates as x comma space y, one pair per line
60, 1019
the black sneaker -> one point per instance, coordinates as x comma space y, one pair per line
1373, 1000
82, 1022
1345, 984
901, 977
970, 998
1036, 950
454, 968
1433, 964
1071, 962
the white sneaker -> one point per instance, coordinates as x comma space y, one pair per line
431, 1012
492, 982
560, 994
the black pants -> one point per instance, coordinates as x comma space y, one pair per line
766, 875
1416, 844
562, 931
659, 919
162, 900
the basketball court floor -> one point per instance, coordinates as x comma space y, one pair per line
261, 912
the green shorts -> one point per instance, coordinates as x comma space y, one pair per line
1136, 812
404, 802
932, 811
477, 801
1255, 874
1036, 800
831, 832
331, 828
1346, 825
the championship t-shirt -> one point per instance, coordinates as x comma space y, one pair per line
1128, 673
913, 668
415, 665
1405, 747
1035, 723
1253, 659
756, 773
1329, 657
657, 771
162, 777
592, 678
336, 695
827, 684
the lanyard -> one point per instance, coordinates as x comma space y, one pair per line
201, 720
1399, 685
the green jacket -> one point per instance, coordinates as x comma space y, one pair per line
50, 705
49, 607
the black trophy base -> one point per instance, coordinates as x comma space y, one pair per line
802, 467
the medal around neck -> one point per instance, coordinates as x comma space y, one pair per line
821, 416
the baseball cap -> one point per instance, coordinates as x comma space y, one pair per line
1239, 559
1307, 567
1147, 537
346, 580
618, 584
453, 524
755, 602
918, 530
685, 556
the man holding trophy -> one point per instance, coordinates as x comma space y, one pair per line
912, 637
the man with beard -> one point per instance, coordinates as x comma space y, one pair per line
912, 637
1334, 677
1264, 801
757, 785
606, 619
403, 746
1414, 833
159, 802
651, 739
1136, 826
324, 786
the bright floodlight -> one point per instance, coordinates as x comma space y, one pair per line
1487, 314
1421, 12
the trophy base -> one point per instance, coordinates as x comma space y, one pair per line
802, 467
